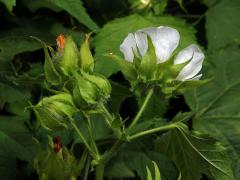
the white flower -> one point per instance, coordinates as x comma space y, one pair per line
165, 40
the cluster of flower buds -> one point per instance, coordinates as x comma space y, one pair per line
70, 72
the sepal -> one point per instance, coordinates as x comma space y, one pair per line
147, 66
70, 58
86, 58
190, 84
126, 67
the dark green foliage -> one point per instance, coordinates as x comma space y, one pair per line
203, 142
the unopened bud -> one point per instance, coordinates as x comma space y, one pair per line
52, 165
54, 112
87, 61
90, 89
70, 59
61, 42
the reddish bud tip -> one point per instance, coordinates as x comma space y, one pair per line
60, 42
57, 144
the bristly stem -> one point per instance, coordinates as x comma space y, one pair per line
109, 117
90, 130
150, 131
142, 108
99, 172
95, 156
113, 149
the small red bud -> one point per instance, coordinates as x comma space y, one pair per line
57, 144
60, 42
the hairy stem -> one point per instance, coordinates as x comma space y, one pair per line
113, 150
99, 172
90, 130
85, 177
151, 131
109, 117
142, 108
95, 156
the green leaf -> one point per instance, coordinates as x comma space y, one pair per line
9, 4
16, 143
74, 7
10, 46
34, 5
191, 149
149, 174
223, 28
227, 131
136, 158
18, 40
139, 160
77, 10
157, 172
113, 33
34, 75
11, 93
159, 7
216, 104
113, 171
19, 108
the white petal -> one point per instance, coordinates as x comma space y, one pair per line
186, 54
128, 47
142, 42
196, 77
165, 40
193, 67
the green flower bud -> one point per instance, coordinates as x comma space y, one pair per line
53, 112
90, 89
60, 165
87, 61
70, 59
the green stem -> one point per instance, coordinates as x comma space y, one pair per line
109, 118
90, 128
150, 131
99, 172
113, 150
141, 110
83, 139
85, 177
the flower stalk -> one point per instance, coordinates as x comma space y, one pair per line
151, 131
99, 172
141, 110
93, 154
108, 116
